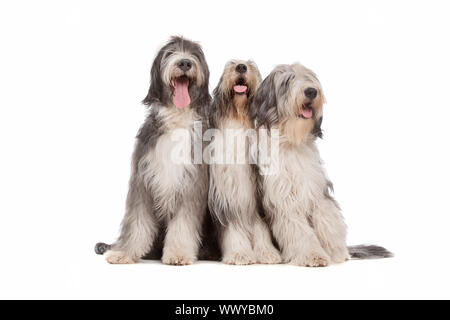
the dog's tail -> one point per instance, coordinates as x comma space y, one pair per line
364, 251
101, 248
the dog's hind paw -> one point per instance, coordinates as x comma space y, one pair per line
339, 255
118, 257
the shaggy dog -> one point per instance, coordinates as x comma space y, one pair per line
167, 202
244, 237
305, 219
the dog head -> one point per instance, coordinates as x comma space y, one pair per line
236, 89
179, 75
290, 98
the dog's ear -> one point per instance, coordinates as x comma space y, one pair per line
317, 130
202, 101
155, 92
218, 107
204, 98
264, 105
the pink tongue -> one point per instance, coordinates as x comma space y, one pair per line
240, 89
181, 97
306, 113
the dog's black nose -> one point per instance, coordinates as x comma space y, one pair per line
311, 93
241, 68
185, 64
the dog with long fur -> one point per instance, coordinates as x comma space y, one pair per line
244, 237
305, 219
167, 202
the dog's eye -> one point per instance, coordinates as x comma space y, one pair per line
197, 56
168, 54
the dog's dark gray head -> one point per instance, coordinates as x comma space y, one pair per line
236, 89
290, 96
179, 76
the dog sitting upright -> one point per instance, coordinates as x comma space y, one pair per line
244, 237
305, 219
167, 201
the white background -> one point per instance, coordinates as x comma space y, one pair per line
73, 73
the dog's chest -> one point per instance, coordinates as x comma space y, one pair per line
231, 145
232, 178
168, 169
231, 152
300, 180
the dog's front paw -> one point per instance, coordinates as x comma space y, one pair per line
177, 258
238, 258
118, 257
312, 259
268, 256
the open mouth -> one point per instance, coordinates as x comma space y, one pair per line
306, 111
181, 98
240, 87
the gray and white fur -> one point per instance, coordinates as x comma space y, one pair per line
244, 236
166, 204
304, 218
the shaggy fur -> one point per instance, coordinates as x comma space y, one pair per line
304, 218
244, 236
166, 203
